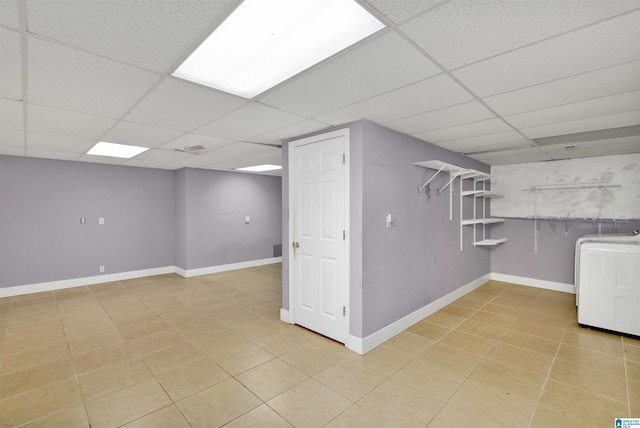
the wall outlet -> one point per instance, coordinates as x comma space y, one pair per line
101, 220
101, 269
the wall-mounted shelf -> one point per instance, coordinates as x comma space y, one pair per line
481, 193
490, 242
479, 190
481, 221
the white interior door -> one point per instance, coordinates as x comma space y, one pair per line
318, 213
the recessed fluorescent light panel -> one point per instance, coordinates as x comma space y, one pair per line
260, 168
116, 150
263, 43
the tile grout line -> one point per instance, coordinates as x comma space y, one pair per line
476, 310
626, 375
544, 385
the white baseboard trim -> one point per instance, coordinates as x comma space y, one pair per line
79, 282
362, 346
224, 268
532, 282
19, 290
285, 316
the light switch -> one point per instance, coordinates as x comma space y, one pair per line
101, 220
247, 219
389, 220
83, 220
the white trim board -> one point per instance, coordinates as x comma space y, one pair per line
532, 282
362, 346
224, 268
19, 290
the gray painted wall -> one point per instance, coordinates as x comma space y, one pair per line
396, 271
41, 202
418, 259
556, 251
211, 229
181, 218
153, 218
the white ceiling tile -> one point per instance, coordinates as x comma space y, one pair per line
607, 43
602, 106
142, 163
58, 144
608, 81
249, 121
482, 127
613, 146
295, 130
465, 31
62, 77
232, 156
11, 114
63, 123
584, 125
273, 157
241, 150
430, 94
399, 10
195, 161
10, 65
190, 140
387, 62
48, 154
162, 156
149, 164
462, 113
512, 156
9, 13
136, 134
101, 159
11, 151
11, 138
152, 35
486, 142
178, 104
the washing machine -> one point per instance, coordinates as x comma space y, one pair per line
608, 282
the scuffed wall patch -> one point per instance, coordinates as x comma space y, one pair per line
558, 201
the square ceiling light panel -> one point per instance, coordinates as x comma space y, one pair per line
263, 43
116, 150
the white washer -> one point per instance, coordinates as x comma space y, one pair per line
608, 282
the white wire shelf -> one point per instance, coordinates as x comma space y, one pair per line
489, 242
481, 221
481, 193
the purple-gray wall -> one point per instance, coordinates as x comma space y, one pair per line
418, 259
556, 251
154, 218
42, 201
211, 229
396, 271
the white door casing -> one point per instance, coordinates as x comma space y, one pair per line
318, 213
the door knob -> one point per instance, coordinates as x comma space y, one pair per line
296, 244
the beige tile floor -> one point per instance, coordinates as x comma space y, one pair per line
210, 351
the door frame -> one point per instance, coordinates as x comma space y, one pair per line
340, 133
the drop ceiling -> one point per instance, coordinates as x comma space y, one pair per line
482, 77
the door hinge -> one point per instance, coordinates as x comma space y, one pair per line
344, 158
344, 235
344, 311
